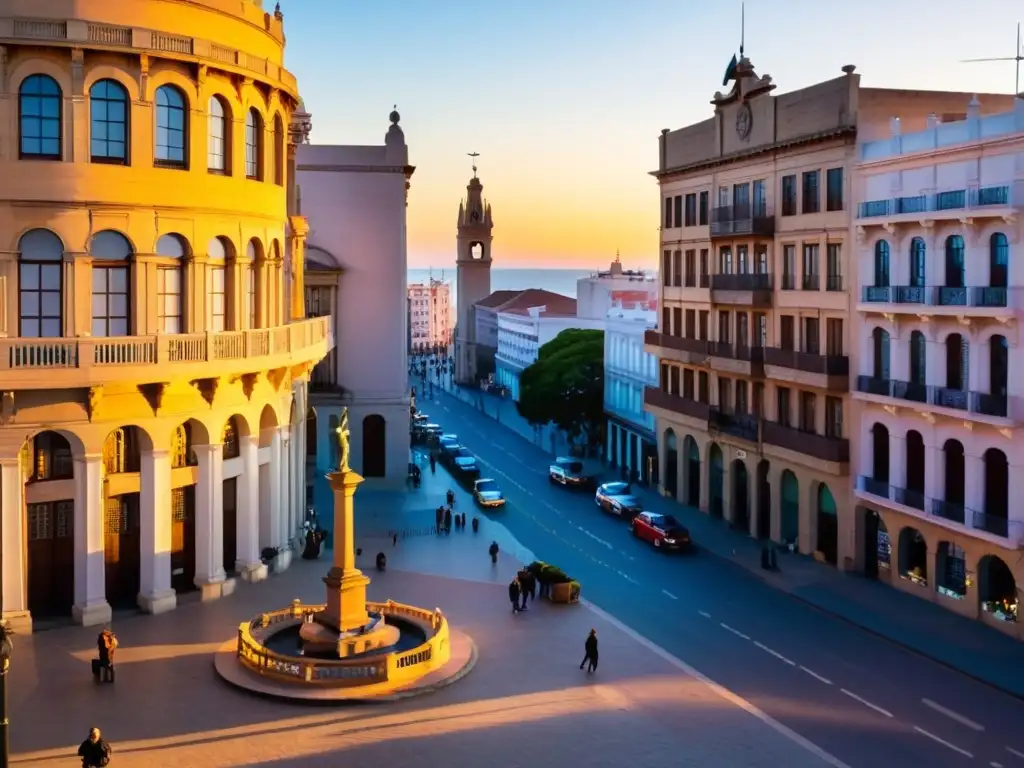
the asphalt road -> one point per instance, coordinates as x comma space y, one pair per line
864, 700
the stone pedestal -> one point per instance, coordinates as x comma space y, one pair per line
346, 584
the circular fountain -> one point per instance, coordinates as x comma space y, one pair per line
346, 648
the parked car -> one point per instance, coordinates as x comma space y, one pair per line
618, 499
465, 462
448, 442
433, 432
663, 531
486, 493
569, 472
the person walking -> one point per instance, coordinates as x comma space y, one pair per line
433, 463
529, 587
94, 751
439, 519
451, 498
493, 552
590, 646
513, 595
448, 520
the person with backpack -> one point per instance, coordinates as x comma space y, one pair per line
94, 751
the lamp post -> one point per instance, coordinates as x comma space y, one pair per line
6, 649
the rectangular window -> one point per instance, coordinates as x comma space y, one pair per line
782, 406
168, 299
758, 401
787, 335
250, 292
834, 336
253, 147
677, 321
742, 402
673, 380
666, 321
677, 210
663, 378
761, 259
691, 268
691, 210
725, 261
691, 323
702, 326
834, 267
788, 267
724, 394
668, 213
724, 323
704, 268
109, 301
741, 200
742, 329
834, 189
666, 268
812, 340
702, 215
760, 329
742, 261
702, 387
833, 417
216, 304
760, 200
808, 402
811, 202
688, 383
40, 299
811, 281
789, 195
677, 268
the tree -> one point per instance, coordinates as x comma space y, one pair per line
565, 386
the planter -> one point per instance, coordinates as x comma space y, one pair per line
565, 592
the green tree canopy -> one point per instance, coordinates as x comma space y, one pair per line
565, 385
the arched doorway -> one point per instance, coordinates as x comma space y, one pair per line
873, 551
952, 505
716, 477
828, 525
671, 469
764, 501
878, 483
997, 589
692, 472
311, 435
183, 506
789, 508
913, 558
374, 446
913, 495
740, 496
951, 571
997, 486
49, 488
122, 524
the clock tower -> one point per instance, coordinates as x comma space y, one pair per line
473, 274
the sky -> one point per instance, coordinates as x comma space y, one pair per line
565, 99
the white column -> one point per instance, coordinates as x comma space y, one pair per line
287, 469
278, 480
210, 574
249, 564
12, 506
155, 594
91, 606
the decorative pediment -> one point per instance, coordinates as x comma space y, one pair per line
746, 83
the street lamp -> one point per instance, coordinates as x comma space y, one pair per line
6, 649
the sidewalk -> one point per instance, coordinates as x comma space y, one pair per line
918, 625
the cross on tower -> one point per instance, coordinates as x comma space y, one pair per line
474, 155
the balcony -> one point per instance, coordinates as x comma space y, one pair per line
683, 406
88, 362
746, 290
831, 449
676, 348
741, 221
986, 301
738, 425
736, 359
831, 372
991, 202
951, 402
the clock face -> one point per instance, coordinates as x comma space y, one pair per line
475, 216
744, 121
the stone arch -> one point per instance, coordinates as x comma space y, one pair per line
235, 428
716, 480
19, 235
691, 461
99, 72
789, 507
160, 75
254, 251
31, 65
740, 498
670, 479
374, 446
913, 555
827, 515
998, 592
173, 245
252, 98
269, 421
105, 239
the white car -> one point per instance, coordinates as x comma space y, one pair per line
486, 493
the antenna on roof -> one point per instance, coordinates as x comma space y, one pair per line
743, 26
1018, 59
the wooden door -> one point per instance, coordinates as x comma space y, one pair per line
51, 558
121, 552
230, 507
183, 538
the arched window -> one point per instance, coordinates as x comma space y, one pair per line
998, 260
114, 453
253, 145
254, 257
955, 481
880, 458
279, 153
997, 491
216, 286
108, 122
956, 362
882, 264
229, 440
182, 454
39, 109
917, 263
954, 262
171, 127
111, 264
40, 285
918, 356
880, 354
218, 136
169, 282
914, 491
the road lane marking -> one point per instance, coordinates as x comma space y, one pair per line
953, 715
628, 578
1015, 753
585, 532
705, 614
721, 690
943, 742
815, 675
867, 703
776, 654
994, 764
736, 632
669, 594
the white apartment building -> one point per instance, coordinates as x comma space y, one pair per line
430, 314
600, 293
630, 440
938, 398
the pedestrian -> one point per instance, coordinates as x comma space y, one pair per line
95, 752
448, 520
451, 498
433, 463
523, 590
590, 647
103, 667
529, 587
394, 539
493, 552
513, 595
439, 519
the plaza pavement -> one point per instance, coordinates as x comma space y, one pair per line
525, 704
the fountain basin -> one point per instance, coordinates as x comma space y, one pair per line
318, 637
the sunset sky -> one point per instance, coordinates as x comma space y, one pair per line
564, 99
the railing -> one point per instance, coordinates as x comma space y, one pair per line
653, 396
23, 354
833, 282
740, 425
730, 220
345, 673
756, 281
827, 365
679, 343
982, 403
949, 200
811, 282
834, 449
936, 296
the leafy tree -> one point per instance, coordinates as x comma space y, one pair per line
565, 386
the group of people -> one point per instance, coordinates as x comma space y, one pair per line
445, 515
522, 588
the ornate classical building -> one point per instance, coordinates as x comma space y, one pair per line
153, 351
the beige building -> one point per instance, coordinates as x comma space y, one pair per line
430, 315
754, 339
153, 355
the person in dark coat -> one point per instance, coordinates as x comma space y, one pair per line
106, 644
493, 551
529, 582
433, 463
439, 518
590, 646
513, 595
95, 752
448, 520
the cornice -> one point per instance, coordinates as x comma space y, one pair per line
925, 156
405, 170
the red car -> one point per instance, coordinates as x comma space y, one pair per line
663, 531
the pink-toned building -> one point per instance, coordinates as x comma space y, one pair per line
938, 400
430, 315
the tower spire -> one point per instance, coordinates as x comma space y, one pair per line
474, 155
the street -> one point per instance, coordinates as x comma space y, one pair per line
864, 700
